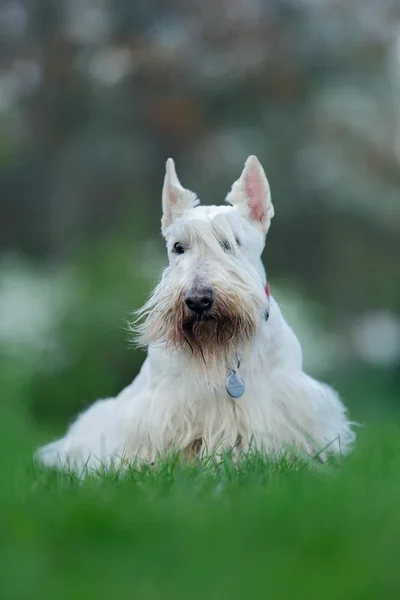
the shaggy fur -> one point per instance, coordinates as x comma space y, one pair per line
179, 399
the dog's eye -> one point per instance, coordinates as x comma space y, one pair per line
179, 248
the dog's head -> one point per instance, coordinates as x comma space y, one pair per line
212, 295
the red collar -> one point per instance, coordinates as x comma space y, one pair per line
267, 290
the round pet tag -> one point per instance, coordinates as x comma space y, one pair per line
235, 385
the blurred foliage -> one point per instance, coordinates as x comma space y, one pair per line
214, 529
96, 94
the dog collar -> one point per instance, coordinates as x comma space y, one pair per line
268, 294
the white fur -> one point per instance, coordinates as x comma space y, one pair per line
179, 401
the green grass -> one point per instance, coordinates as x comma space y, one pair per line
256, 530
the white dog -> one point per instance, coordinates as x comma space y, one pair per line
210, 313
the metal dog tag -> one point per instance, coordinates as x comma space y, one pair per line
235, 385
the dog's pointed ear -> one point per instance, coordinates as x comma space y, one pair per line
175, 198
251, 195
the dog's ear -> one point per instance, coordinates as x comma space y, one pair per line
251, 195
175, 198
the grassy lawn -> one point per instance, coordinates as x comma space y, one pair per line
254, 531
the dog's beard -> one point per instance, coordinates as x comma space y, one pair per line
215, 335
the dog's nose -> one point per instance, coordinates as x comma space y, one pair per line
199, 301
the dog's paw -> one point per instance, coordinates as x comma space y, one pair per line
52, 455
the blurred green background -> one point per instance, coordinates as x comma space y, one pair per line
96, 94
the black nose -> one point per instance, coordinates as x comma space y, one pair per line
199, 301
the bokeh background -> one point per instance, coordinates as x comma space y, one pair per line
96, 94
